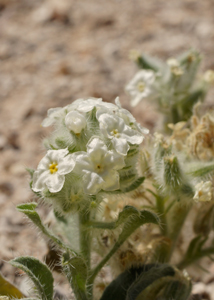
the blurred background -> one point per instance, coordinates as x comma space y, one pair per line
55, 51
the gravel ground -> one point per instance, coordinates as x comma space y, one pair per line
55, 51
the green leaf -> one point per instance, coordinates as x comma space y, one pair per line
131, 187
146, 61
76, 272
8, 289
134, 185
202, 171
29, 210
38, 273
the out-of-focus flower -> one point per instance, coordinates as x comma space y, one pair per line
99, 167
175, 67
53, 115
203, 191
51, 171
179, 135
209, 76
140, 86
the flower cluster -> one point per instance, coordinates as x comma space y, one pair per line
93, 142
172, 85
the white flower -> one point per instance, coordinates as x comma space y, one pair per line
80, 105
99, 167
203, 191
140, 86
75, 121
51, 171
209, 76
114, 128
53, 115
175, 67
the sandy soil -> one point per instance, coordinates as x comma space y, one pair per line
55, 51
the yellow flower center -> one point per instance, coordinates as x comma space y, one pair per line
53, 167
141, 86
115, 133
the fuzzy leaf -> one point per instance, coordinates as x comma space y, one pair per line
76, 272
29, 210
202, 170
144, 217
131, 187
38, 273
8, 289
134, 185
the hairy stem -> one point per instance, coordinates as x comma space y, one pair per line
85, 239
85, 245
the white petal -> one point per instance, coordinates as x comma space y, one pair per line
83, 162
55, 182
75, 121
66, 164
132, 136
56, 155
96, 148
39, 180
92, 183
136, 100
53, 113
120, 145
111, 182
44, 162
117, 102
114, 160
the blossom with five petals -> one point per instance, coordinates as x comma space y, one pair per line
140, 86
51, 171
99, 167
115, 129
